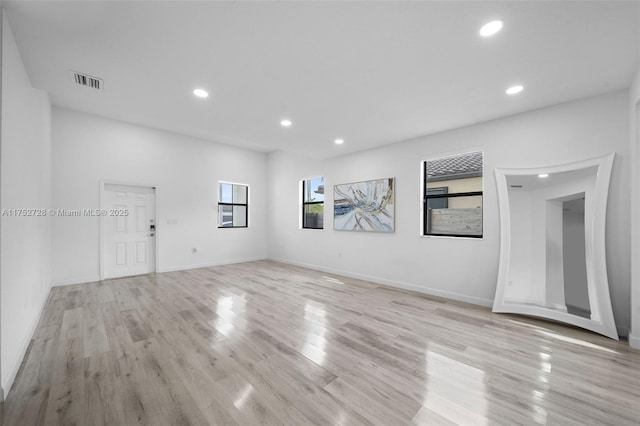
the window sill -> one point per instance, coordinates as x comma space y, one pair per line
453, 237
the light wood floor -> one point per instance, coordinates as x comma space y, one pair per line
267, 343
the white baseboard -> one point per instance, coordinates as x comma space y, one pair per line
558, 307
74, 281
634, 340
94, 278
5, 387
209, 264
392, 283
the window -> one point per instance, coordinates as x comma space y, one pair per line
233, 205
313, 203
453, 196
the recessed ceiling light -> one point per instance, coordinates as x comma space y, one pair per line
339, 141
285, 123
490, 28
543, 175
513, 90
201, 93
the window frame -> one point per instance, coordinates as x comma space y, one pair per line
425, 197
232, 204
310, 203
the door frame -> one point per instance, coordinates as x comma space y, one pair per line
103, 183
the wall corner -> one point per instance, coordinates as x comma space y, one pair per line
634, 340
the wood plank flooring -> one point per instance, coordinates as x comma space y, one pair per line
267, 343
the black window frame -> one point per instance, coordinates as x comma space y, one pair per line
440, 190
310, 203
446, 195
233, 204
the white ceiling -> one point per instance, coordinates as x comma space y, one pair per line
372, 73
533, 182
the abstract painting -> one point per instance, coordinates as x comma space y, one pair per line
364, 206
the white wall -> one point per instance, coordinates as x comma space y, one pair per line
548, 228
1, 66
537, 269
575, 268
25, 249
552, 263
87, 149
634, 143
522, 285
464, 269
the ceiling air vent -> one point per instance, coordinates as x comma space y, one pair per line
87, 80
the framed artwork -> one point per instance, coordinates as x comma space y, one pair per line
366, 206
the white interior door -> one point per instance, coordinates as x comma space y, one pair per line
128, 230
